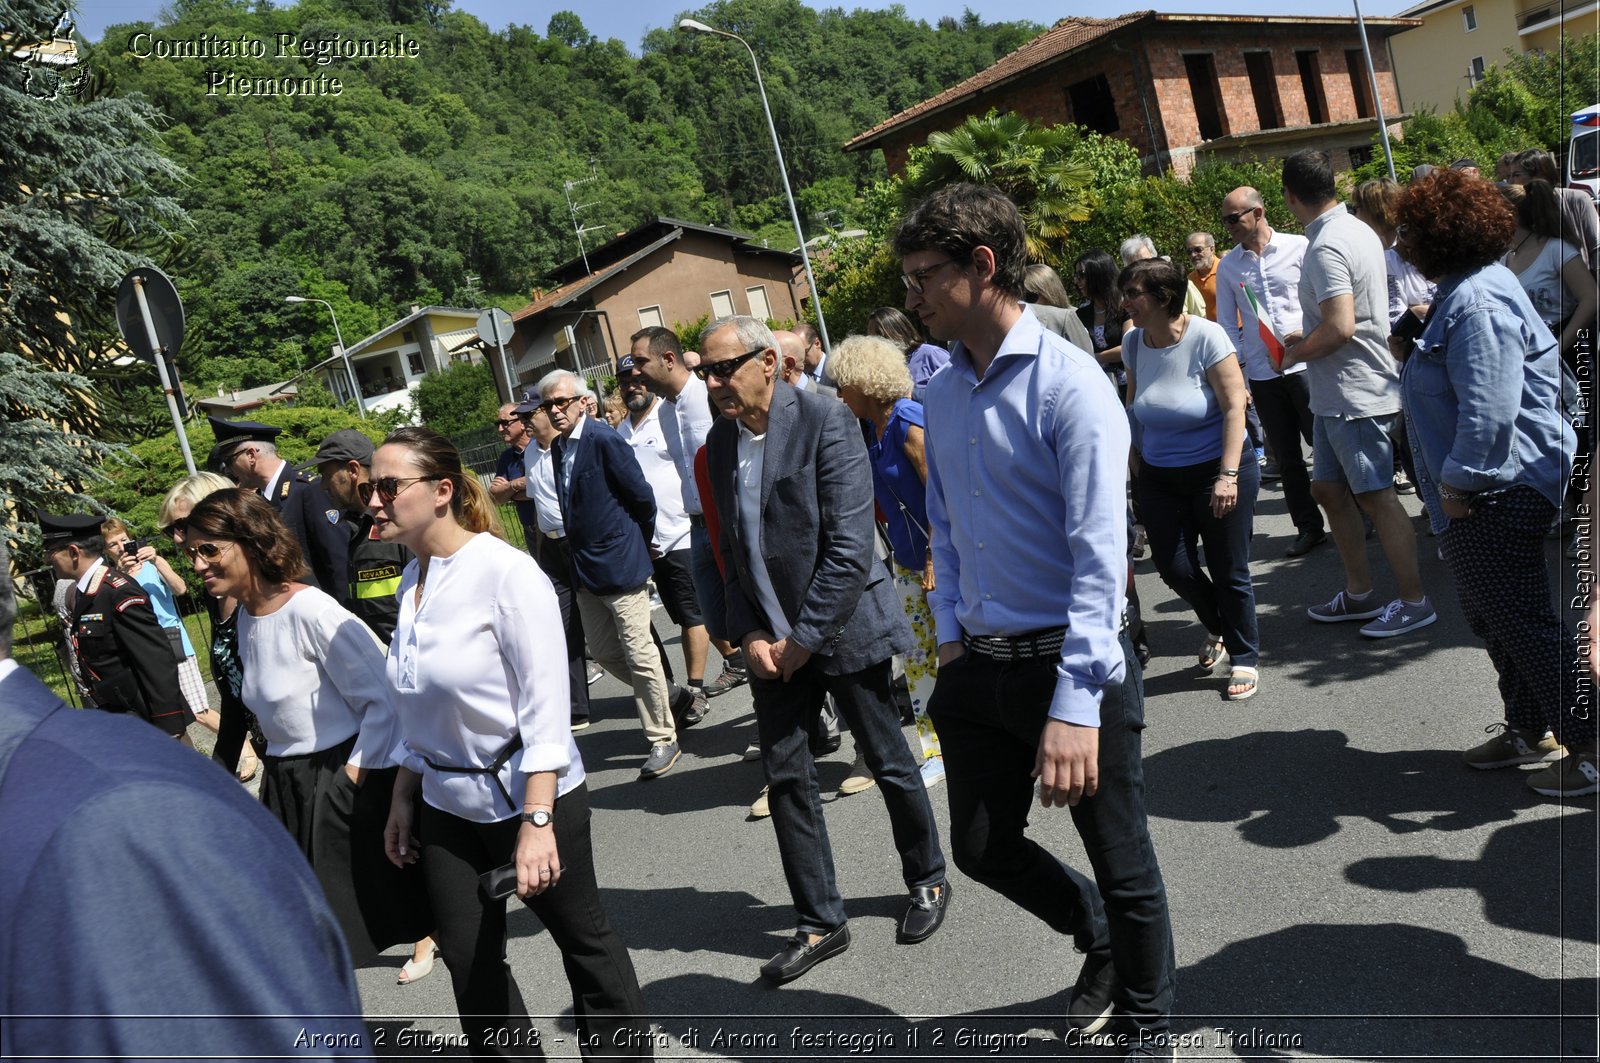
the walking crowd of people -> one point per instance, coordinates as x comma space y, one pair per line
932, 526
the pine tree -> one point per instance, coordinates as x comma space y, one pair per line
80, 203
79, 182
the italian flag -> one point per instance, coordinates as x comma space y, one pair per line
1263, 326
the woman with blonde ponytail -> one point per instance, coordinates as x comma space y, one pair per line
484, 714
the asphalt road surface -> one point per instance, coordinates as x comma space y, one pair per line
1341, 886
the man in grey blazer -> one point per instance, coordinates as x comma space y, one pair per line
816, 615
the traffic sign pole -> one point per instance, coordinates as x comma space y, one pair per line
161, 367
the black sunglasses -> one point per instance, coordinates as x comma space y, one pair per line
388, 488
550, 406
727, 367
504, 422
182, 524
1233, 219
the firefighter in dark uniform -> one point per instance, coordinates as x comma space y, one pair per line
247, 453
344, 462
124, 657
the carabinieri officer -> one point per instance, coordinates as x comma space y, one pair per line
247, 453
124, 658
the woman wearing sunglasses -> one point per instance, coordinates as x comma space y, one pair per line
1186, 401
314, 677
239, 735
479, 672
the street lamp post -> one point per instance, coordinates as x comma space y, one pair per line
689, 25
355, 385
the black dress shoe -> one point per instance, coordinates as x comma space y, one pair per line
799, 955
1305, 542
924, 914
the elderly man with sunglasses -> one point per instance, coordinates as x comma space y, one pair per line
816, 615
609, 512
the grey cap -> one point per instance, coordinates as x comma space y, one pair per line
347, 444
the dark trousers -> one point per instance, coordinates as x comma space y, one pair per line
555, 559
1178, 519
785, 712
989, 717
471, 933
1284, 406
1497, 558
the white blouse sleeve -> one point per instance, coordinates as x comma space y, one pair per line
354, 663
529, 631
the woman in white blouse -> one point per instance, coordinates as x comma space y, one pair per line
479, 670
313, 674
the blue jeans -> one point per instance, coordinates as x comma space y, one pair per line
1176, 504
989, 716
707, 580
784, 712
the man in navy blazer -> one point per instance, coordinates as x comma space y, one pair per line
816, 615
610, 514
84, 793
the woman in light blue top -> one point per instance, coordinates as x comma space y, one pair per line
1480, 392
1186, 403
922, 359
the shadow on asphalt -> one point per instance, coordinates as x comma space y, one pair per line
1290, 788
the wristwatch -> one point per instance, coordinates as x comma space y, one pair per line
539, 817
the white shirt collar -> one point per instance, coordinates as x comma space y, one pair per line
83, 580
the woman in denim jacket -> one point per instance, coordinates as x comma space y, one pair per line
1481, 392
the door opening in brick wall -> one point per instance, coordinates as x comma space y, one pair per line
1092, 104
1264, 87
1356, 62
1311, 83
1202, 70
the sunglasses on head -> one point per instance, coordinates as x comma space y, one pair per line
388, 488
727, 367
207, 551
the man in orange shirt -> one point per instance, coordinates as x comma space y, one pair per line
1202, 251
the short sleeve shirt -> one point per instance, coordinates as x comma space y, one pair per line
1361, 378
1174, 405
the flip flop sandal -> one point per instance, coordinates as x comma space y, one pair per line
1245, 676
1213, 657
254, 771
416, 970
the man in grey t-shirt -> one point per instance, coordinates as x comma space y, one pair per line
1355, 397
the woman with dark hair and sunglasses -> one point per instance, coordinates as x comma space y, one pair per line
239, 734
479, 674
313, 674
1195, 478
1481, 388
922, 359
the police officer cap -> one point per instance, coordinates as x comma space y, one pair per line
347, 444
230, 434
530, 401
59, 530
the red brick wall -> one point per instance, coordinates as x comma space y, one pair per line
1043, 97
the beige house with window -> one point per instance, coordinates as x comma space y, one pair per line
391, 362
1458, 40
664, 272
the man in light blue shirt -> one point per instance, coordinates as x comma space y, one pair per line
1027, 472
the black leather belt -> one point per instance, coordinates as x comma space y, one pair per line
492, 771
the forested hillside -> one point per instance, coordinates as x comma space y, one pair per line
440, 178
